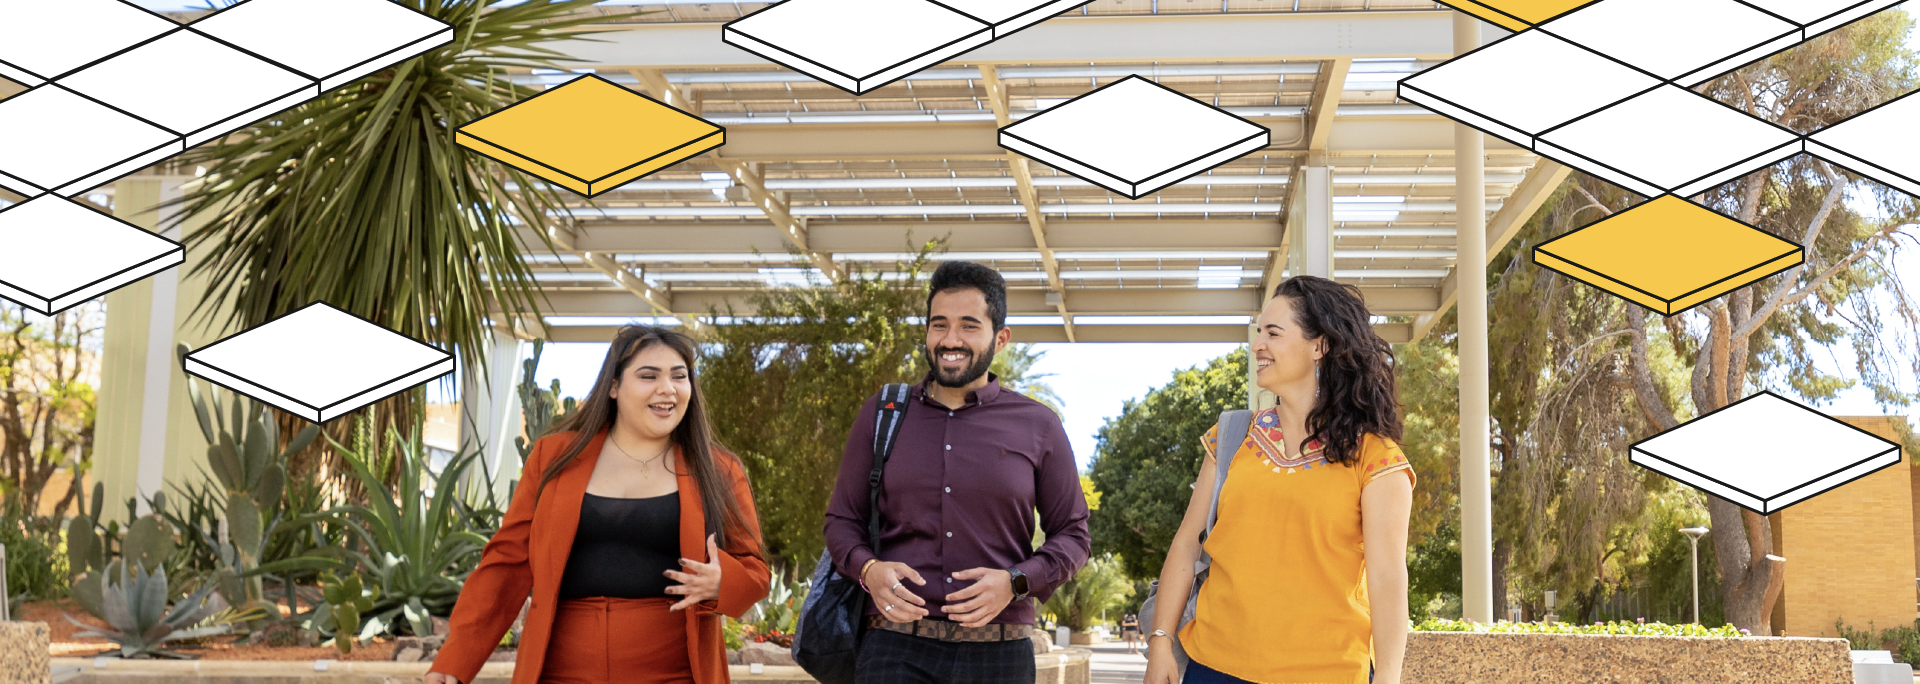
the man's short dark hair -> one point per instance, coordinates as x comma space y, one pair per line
962, 275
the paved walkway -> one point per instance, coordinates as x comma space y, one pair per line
1112, 665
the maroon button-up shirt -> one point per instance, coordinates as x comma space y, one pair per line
960, 491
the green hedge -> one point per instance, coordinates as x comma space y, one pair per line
1634, 628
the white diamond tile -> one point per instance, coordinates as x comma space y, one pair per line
58, 141
56, 253
333, 41
1686, 42
1668, 140
1879, 143
226, 90
1820, 16
42, 39
857, 45
1134, 136
1765, 453
318, 363
1563, 81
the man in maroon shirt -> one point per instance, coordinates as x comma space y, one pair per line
956, 576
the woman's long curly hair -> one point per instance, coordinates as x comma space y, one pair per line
1356, 388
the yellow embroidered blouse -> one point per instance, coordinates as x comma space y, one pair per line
1286, 600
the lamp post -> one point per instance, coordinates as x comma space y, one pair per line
1694, 534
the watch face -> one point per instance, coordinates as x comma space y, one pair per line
1020, 584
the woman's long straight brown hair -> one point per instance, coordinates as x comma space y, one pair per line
694, 435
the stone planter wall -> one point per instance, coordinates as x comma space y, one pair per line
1466, 657
23, 653
1070, 666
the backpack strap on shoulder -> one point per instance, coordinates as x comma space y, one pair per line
891, 414
1230, 432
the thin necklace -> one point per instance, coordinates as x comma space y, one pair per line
646, 463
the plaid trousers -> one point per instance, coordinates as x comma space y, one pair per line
895, 658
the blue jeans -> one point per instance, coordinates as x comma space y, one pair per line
1201, 674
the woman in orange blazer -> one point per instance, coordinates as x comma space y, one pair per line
632, 529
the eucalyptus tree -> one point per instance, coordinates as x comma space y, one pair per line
1587, 374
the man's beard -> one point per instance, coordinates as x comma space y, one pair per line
968, 374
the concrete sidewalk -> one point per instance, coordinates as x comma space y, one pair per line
1112, 665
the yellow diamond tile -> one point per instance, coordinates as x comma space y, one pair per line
1515, 14
590, 135
1668, 254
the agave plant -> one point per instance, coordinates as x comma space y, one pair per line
412, 543
135, 608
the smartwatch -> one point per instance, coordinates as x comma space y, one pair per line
1019, 581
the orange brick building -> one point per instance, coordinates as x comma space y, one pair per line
1852, 552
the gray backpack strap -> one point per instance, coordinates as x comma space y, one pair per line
1230, 432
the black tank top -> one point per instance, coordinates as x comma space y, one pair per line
623, 547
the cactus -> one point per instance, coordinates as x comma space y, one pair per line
244, 454
148, 543
537, 407
135, 609
346, 602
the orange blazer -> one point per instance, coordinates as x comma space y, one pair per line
529, 554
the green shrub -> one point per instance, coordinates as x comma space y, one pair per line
1622, 627
36, 555
1904, 641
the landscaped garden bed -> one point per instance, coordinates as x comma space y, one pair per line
1624, 653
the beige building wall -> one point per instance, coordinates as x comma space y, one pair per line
1851, 551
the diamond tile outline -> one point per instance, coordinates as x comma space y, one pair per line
1813, 25
1761, 154
589, 187
116, 24
1557, 259
61, 222
1761, 417
1008, 22
966, 33
134, 82
252, 15
316, 334
1622, 25
53, 105
1414, 89
1492, 12
1831, 143
1257, 137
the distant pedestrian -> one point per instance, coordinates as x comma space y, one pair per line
1309, 575
1130, 630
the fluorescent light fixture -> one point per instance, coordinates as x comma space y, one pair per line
1228, 278
1367, 199
609, 321
1035, 320
1391, 273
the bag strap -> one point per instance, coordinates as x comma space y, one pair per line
891, 414
1229, 433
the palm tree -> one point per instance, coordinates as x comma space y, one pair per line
359, 198
1014, 366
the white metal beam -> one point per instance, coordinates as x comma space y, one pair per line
567, 239
1392, 332
894, 236
774, 205
1163, 38
1023, 183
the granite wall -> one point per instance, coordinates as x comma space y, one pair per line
1472, 658
24, 653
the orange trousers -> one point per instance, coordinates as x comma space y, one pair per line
605, 640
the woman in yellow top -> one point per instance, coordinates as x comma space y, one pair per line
1312, 519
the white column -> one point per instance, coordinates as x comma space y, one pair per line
490, 411
157, 384
1476, 503
1314, 244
